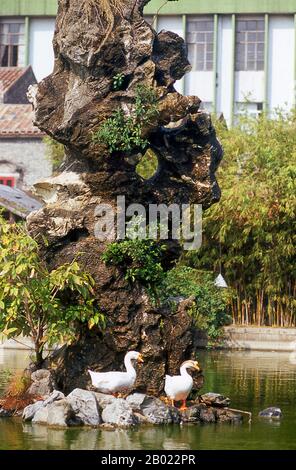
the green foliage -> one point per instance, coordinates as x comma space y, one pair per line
120, 132
55, 152
146, 106
255, 219
209, 309
139, 258
47, 306
118, 80
123, 132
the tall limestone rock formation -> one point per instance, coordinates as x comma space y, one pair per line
94, 42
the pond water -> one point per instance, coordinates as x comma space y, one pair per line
253, 381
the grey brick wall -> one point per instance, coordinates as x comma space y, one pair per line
28, 156
253, 338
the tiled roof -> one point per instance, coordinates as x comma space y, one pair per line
9, 75
17, 201
16, 120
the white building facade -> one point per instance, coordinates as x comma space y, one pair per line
243, 52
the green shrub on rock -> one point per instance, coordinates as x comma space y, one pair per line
140, 260
124, 132
47, 306
210, 303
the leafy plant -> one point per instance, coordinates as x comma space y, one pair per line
146, 106
139, 258
254, 223
17, 384
15, 396
118, 80
47, 306
210, 304
55, 152
121, 132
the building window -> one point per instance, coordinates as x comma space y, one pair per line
12, 43
7, 181
200, 41
250, 34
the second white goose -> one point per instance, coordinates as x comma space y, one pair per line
178, 387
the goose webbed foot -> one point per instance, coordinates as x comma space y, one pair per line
183, 407
123, 394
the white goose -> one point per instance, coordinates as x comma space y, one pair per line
116, 382
178, 387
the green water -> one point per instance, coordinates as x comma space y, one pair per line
253, 380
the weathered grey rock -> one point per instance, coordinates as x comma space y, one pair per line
120, 413
85, 406
207, 415
41, 416
58, 413
226, 416
154, 410
271, 412
30, 410
54, 396
41, 388
192, 414
136, 400
40, 374
108, 427
43, 383
215, 399
82, 407
158, 413
5, 413
103, 399
61, 414
141, 418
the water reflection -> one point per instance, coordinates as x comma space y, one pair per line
166, 437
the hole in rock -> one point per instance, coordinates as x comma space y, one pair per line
148, 165
76, 234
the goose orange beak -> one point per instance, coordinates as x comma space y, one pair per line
140, 359
196, 365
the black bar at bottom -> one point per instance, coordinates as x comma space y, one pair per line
136, 459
